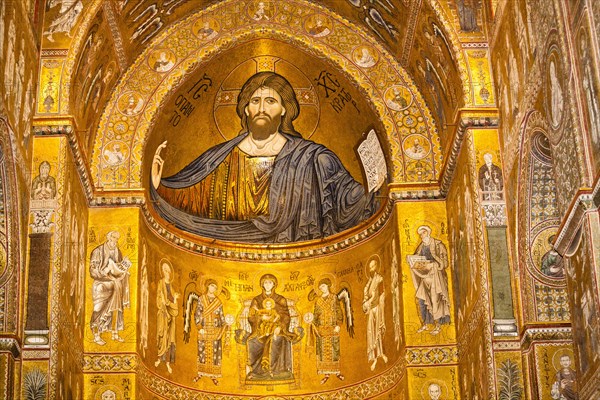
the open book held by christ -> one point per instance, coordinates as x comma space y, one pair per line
373, 161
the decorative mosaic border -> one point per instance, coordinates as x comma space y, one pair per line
94, 363
414, 9
116, 33
549, 334
505, 345
479, 45
439, 355
51, 53
55, 273
422, 194
51, 130
364, 390
116, 201
36, 354
276, 253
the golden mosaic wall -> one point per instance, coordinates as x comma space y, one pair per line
582, 281
19, 46
146, 88
237, 283
549, 147
433, 68
470, 278
69, 289
462, 216
157, 312
95, 74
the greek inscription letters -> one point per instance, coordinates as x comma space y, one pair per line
201, 86
183, 105
238, 287
332, 87
327, 81
297, 286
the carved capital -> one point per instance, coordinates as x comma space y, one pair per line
505, 327
42, 221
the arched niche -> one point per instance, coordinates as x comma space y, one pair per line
544, 217
538, 219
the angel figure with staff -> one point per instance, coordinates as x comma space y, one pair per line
325, 326
213, 328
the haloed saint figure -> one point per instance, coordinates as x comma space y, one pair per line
268, 184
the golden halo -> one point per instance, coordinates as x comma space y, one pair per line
205, 279
331, 277
163, 261
442, 385
558, 355
225, 104
378, 261
103, 389
256, 275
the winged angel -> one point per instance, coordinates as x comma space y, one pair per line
325, 326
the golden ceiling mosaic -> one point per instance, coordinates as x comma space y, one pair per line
383, 48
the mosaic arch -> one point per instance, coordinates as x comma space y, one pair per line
149, 88
9, 237
74, 50
92, 8
461, 62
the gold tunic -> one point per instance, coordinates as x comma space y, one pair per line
237, 190
328, 315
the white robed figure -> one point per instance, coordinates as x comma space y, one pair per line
428, 269
373, 305
110, 290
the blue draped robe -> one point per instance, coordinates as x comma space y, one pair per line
311, 196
